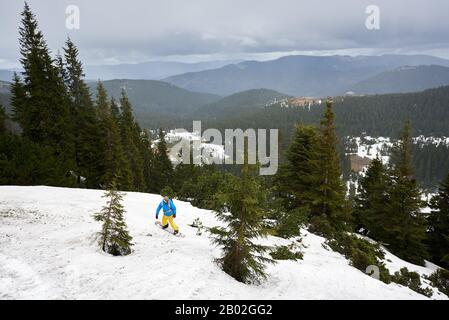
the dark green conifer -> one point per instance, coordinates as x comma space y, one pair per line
2, 120
115, 238
114, 164
406, 225
241, 206
374, 193
438, 236
87, 134
40, 101
331, 210
163, 168
131, 139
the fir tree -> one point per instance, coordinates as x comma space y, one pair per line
406, 226
83, 114
115, 238
438, 237
23, 162
331, 205
163, 169
41, 107
114, 164
130, 134
370, 211
240, 204
115, 109
2, 120
310, 182
147, 156
298, 178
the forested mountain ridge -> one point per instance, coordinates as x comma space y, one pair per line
375, 115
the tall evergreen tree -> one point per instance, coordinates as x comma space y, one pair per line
131, 139
87, 134
298, 178
331, 203
114, 164
370, 211
23, 162
115, 109
438, 237
41, 107
2, 120
147, 156
162, 166
115, 238
241, 206
310, 182
406, 225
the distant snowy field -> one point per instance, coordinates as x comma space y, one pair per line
48, 250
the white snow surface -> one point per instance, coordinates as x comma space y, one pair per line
49, 250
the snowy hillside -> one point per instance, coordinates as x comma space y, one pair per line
372, 147
214, 152
48, 249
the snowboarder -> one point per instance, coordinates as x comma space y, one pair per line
169, 210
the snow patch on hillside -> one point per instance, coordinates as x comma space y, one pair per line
48, 250
209, 152
372, 147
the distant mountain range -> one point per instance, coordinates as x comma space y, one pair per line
149, 70
315, 76
404, 79
138, 71
236, 88
299, 75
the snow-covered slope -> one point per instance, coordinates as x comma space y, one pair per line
48, 249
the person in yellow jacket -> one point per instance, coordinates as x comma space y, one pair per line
169, 211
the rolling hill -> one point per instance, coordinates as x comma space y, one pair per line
298, 75
156, 102
239, 102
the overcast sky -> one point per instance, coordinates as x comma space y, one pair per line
117, 31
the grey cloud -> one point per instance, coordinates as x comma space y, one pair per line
114, 31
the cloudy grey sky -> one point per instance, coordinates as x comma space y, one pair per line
117, 31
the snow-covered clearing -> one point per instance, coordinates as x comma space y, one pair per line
48, 250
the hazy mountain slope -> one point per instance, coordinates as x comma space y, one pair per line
298, 75
5, 95
404, 79
6, 75
154, 98
50, 251
238, 102
149, 70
